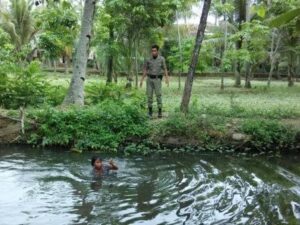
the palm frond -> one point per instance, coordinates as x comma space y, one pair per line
285, 18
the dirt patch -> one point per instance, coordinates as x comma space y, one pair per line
293, 123
9, 129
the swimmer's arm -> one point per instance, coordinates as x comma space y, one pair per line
112, 165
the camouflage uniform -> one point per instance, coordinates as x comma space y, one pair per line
155, 68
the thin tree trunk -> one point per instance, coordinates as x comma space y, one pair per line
190, 77
237, 74
248, 65
109, 69
225, 48
54, 65
129, 64
273, 56
66, 64
290, 73
271, 73
298, 68
248, 75
136, 66
75, 93
110, 57
180, 53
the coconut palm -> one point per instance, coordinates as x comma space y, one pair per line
286, 17
18, 23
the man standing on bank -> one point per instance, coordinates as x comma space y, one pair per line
154, 69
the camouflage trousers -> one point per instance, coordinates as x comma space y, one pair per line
154, 85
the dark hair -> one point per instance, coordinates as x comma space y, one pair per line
155, 46
94, 158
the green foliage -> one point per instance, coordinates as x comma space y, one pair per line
173, 56
267, 134
286, 18
101, 127
192, 126
18, 22
59, 25
255, 36
99, 92
51, 43
26, 86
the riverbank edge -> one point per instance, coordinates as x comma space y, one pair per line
12, 131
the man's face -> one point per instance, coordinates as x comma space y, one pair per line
98, 164
154, 52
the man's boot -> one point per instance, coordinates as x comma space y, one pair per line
159, 113
150, 112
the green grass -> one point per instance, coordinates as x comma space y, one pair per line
278, 101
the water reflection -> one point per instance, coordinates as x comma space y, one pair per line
41, 186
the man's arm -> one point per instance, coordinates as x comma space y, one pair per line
112, 165
144, 74
143, 77
166, 72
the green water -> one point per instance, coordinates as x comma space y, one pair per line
56, 187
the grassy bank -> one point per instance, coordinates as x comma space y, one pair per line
278, 101
260, 119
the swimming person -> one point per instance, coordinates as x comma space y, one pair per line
99, 168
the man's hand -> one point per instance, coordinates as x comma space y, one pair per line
113, 166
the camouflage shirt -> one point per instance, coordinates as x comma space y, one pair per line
155, 66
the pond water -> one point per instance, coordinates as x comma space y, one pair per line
56, 187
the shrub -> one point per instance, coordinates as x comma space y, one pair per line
102, 127
194, 125
96, 93
26, 86
268, 134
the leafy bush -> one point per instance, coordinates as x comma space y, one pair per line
103, 127
267, 134
22, 88
26, 86
98, 92
191, 126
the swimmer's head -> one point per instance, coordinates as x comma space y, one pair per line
96, 162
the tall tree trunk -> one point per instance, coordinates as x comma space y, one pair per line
225, 48
54, 65
67, 64
136, 65
274, 48
242, 15
129, 64
110, 57
180, 52
270, 73
290, 71
190, 77
109, 72
248, 64
237, 74
75, 93
290, 76
248, 75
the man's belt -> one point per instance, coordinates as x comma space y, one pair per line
155, 76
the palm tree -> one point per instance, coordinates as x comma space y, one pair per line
18, 23
291, 39
194, 60
75, 93
285, 17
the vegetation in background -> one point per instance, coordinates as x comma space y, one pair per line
100, 127
244, 39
